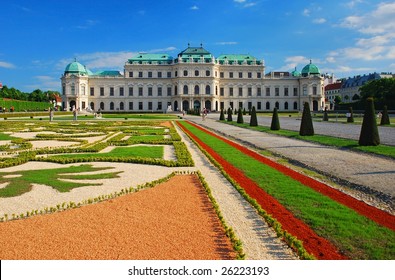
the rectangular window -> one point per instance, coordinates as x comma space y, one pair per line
169, 91
240, 75
150, 91
221, 91
267, 91
140, 74
241, 105
240, 91
130, 106
249, 105
286, 91
149, 74
314, 90
121, 91
230, 74
140, 91
221, 74
159, 91
249, 91
102, 91
276, 91
130, 74
222, 105
130, 91
231, 91
159, 74
258, 75
159, 105
111, 91
231, 105
169, 74
295, 91
259, 106
150, 105
140, 106
92, 91
249, 75
259, 91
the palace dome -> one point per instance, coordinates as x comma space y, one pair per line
76, 68
295, 73
310, 69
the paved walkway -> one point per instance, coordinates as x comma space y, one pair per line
374, 175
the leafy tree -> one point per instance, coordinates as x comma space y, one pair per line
222, 115
275, 125
338, 99
382, 90
306, 126
369, 133
385, 118
253, 119
240, 116
356, 97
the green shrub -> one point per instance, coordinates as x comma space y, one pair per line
306, 126
385, 119
275, 125
369, 133
229, 119
253, 120
240, 116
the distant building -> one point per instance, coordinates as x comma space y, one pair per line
331, 91
194, 79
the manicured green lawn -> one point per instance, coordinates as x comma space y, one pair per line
4, 136
357, 236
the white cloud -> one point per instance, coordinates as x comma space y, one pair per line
319, 20
194, 8
353, 3
87, 24
248, 5
306, 12
7, 65
239, 1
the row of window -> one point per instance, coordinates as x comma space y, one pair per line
197, 90
259, 105
196, 73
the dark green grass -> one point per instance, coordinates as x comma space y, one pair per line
342, 143
122, 152
4, 136
355, 235
141, 116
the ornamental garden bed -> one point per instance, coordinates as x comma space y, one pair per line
329, 225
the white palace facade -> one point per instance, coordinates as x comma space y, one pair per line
194, 79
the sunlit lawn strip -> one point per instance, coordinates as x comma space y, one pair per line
383, 150
354, 234
138, 151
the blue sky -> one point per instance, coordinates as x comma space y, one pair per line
40, 37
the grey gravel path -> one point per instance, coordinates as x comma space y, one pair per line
375, 173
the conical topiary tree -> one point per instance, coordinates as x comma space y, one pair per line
275, 120
325, 118
350, 116
306, 126
222, 115
229, 118
253, 119
385, 118
236, 111
240, 116
369, 133
244, 111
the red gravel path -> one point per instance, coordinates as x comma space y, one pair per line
314, 244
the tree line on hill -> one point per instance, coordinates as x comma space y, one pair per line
37, 95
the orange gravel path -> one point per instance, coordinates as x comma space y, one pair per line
174, 220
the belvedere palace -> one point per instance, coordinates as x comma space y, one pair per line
193, 79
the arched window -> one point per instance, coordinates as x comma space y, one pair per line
208, 73
286, 106
295, 105
72, 89
111, 105
197, 89
92, 106
121, 106
101, 105
196, 73
268, 105
208, 89
185, 73
277, 105
185, 91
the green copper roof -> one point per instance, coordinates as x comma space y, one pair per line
107, 73
151, 58
196, 54
237, 59
310, 69
295, 73
76, 68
